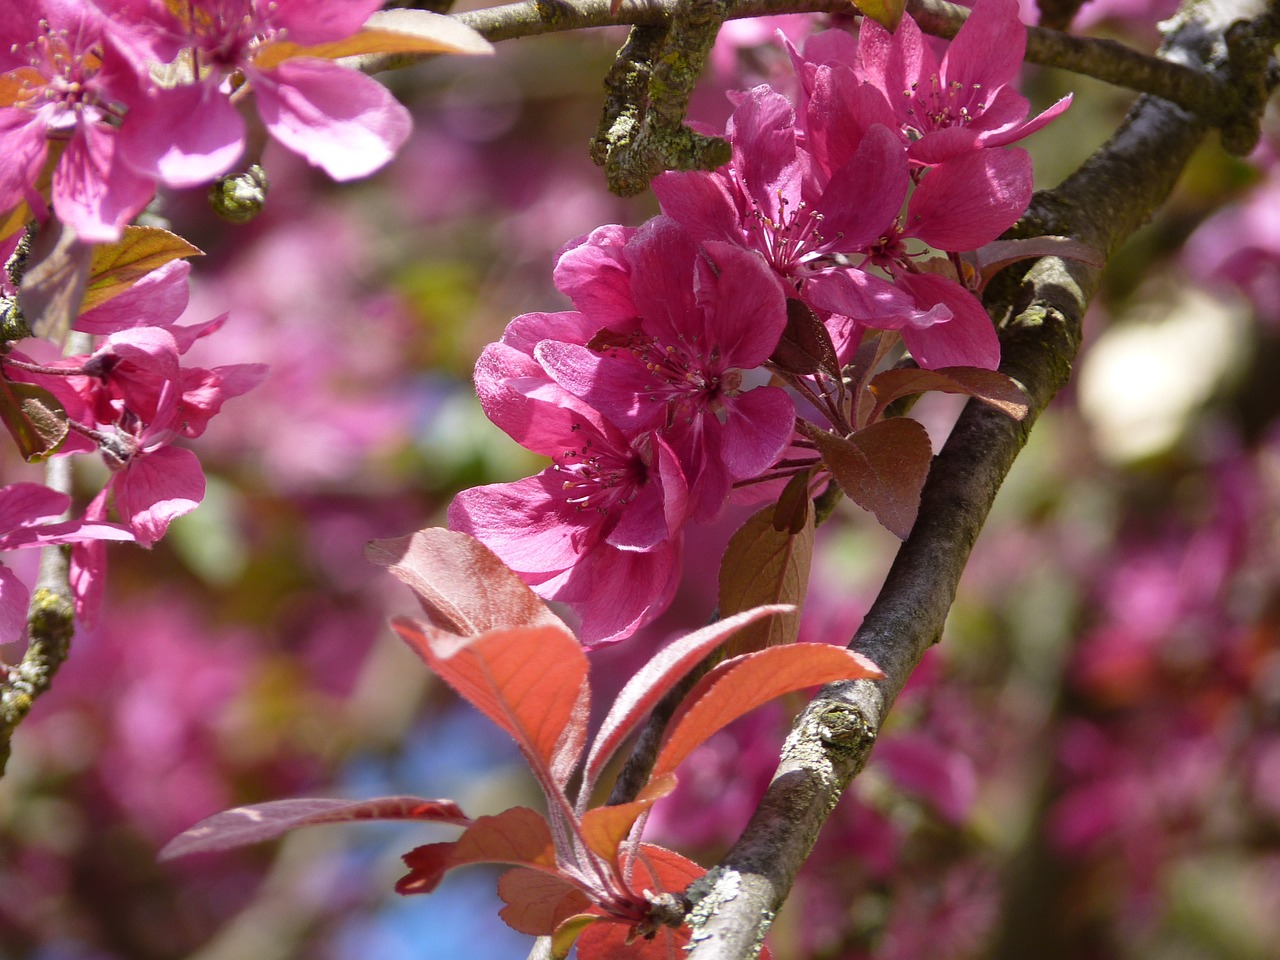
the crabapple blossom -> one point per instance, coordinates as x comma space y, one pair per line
963, 103
65, 84
337, 118
678, 324
818, 227
600, 529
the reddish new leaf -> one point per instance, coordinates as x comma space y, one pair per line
462, 586
527, 680
874, 347
518, 836
795, 504
882, 468
536, 902
764, 565
663, 671
990, 386
427, 866
266, 821
604, 828
738, 686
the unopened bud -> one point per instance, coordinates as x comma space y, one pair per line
239, 197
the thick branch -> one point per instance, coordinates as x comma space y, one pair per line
1102, 204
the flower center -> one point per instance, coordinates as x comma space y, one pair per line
62, 68
681, 375
598, 479
889, 249
784, 241
943, 105
225, 31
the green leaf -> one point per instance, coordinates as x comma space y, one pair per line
567, 933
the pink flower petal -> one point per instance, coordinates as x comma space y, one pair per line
968, 339
596, 276
156, 487
523, 522
23, 143
757, 428
744, 307
620, 591
158, 299
94, 192
340, 120
864, 196
26, 503
989, 48
183, 136
317, 21
701, 203
971, 199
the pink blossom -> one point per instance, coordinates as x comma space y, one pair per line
67, 82
678, 324
153, 483
600, 528
964, 103
338, 119
819, 223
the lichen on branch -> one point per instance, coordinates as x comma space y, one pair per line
642, 132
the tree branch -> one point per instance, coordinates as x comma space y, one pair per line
1220, 99
1101, 205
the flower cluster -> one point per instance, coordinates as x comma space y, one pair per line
119, 97
646, 396
130, 398
101, 103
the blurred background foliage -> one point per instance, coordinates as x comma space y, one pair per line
1087, 766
